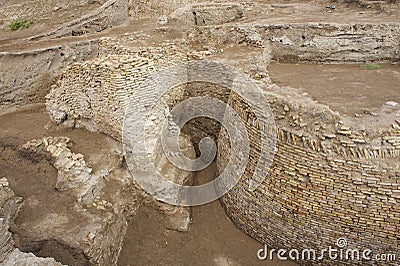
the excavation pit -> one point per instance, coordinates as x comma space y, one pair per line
335, 173
347, 89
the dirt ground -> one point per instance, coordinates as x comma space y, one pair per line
212, 239
45, 15
347, 89
33, 178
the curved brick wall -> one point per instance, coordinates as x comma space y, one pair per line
94, 94
328, 179
322, 185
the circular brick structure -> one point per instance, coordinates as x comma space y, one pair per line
332, 177
328, 180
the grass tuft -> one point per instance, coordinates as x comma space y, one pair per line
18, 24
370, 66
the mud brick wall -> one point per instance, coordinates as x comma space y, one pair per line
311, 197
95, 94
328, 179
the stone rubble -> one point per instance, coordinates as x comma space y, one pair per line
330, 179
73, 173
103, 219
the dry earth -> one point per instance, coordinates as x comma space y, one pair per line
212, 239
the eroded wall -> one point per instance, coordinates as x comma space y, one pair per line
310, 42
26, 77
323, 185
96, 93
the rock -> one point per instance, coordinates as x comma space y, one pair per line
77, 156
56, 8
51, 149
391, 104
344, 131
286, 108
69, 123
254, 38
162, 21
3, 182
100, 207
179, 220
69, 164
57, 116
359, 141
330, 136
283, 40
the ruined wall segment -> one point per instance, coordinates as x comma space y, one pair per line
140, 9
101, 220
208, 14
333, 42
329, 179
309, 42
314, 195
95, 94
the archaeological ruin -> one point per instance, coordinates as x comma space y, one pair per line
327, 70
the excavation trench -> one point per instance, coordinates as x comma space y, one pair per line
212, 237
211, 240
327, 154
48, 215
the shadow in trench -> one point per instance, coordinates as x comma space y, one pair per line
211, 240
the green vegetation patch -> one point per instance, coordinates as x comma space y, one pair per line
18, 24
370, 66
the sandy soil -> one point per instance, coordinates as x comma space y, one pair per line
33, 178
266, 12
45, 15
347, 89
212, 239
